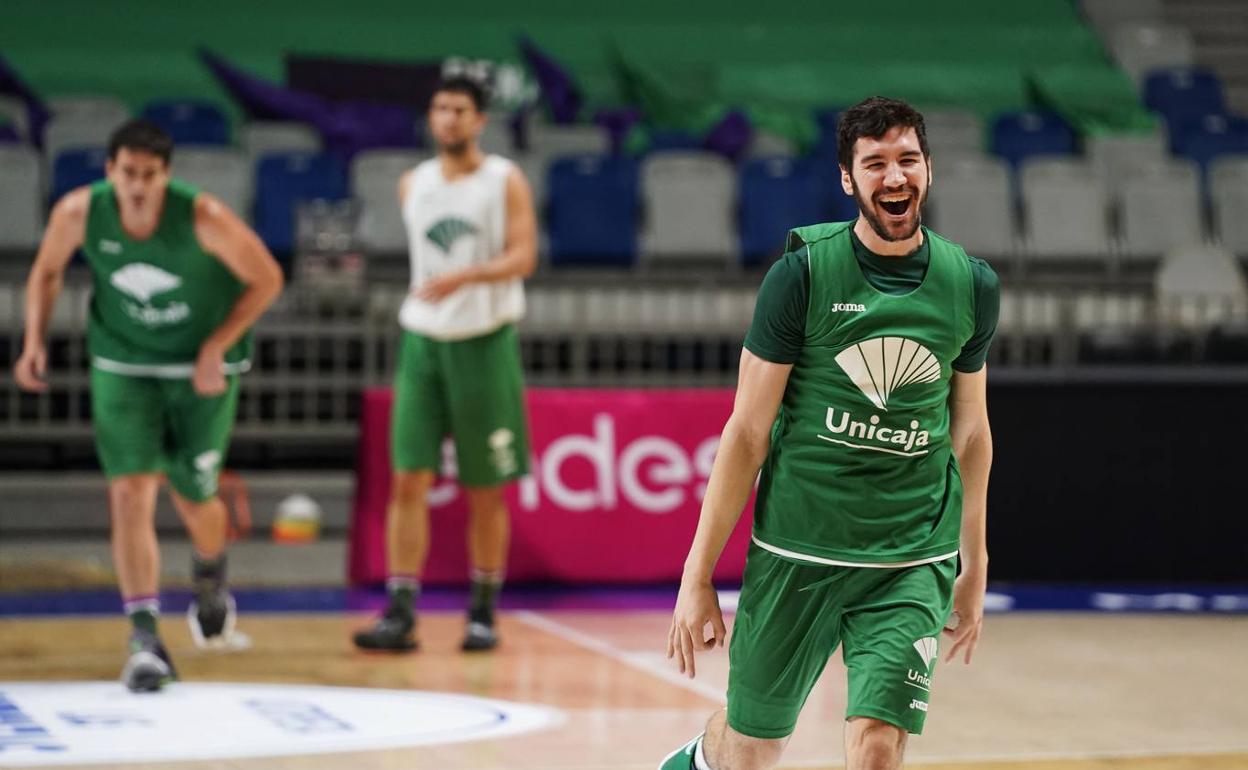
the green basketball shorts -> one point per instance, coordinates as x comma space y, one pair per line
155, 425
471, 390
791, 618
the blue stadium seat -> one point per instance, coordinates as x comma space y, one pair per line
1017, 136
282, 180
74, 168
776, 195
825, 140
592, 210
189, 121
1181, 94
1212, 137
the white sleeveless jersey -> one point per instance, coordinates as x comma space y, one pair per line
452, 225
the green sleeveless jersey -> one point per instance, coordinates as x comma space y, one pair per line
861, 469
155, 301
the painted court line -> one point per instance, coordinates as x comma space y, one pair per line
593, 643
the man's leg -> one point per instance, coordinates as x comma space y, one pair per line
487, 410
407, 545
418, 424
871, 744
212, 614
489, 535
723, 748
199, 437
136, 557
128, 417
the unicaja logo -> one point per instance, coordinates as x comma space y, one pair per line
927, 649
143, 282
884, 365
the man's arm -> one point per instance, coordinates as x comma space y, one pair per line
742, 448
518, 258
225, 236
66, 230
972, 444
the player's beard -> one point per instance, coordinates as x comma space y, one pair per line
455, 149
914, 215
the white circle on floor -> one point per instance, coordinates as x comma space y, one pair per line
63, 723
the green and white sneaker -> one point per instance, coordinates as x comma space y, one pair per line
681, 758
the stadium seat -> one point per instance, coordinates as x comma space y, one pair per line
1228, 193
550, 140
972, 204
190, 121
283, 180
1212, 137
21, 189
953, 131
374, 184
764, 144
592, 211
1161, 209
1019, 136
777, 194
71, 133
222, 171
98, 109
1182, 94
1141, 48
690, 200
1113, 156
259, 138
547, 142
1104, 15
1065, 210
1199, 286
74, 168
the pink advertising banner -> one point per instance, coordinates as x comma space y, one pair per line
615, 487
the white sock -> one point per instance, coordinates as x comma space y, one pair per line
699, 756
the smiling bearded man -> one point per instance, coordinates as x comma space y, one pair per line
861, 397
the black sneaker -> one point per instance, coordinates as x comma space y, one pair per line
480, 634
392, 631
212, 615
148, 669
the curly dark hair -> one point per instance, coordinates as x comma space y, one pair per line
873, 117
142, 136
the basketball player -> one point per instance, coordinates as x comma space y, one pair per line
862, 398
179, 280
473, 236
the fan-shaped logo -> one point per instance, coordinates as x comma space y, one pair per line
143, 281
883, 365
446, 231
927, 649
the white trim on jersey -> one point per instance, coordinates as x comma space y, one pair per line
161, 371
836, 563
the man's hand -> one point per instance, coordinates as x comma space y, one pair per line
437, 289
209, 377
697, 604
967, 621
31, 370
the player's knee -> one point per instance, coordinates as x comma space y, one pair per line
487, 501
132, 497
758, 755
747, 753
411, 487
876, 745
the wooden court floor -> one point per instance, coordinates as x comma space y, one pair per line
1046, 692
